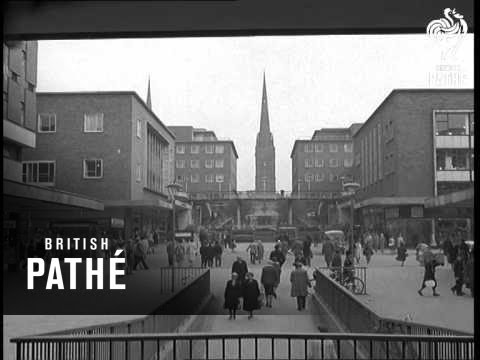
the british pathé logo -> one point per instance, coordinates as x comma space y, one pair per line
452, 23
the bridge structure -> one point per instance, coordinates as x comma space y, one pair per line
267, 210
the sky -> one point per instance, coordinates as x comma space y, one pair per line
313, 82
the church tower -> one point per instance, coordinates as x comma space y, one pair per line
264, 150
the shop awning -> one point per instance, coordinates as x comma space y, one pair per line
463, 198
32, 197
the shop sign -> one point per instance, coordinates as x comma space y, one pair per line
117, 223
416, 211
9, 224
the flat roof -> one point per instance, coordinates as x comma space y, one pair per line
210, 142
129, 93
408, 90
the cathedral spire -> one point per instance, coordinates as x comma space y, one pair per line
149, 96
264, 120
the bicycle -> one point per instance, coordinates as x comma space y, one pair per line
350, 282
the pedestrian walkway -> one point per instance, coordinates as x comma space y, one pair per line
392, 292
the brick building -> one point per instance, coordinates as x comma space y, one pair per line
203, 163
320, 163
110, 146
24, 203
416, 145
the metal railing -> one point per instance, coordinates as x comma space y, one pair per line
245, 195
244, 346
358, 271
174, 278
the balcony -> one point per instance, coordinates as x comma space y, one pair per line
453, 175
452, 142
18, 134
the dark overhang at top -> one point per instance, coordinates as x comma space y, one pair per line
117, 19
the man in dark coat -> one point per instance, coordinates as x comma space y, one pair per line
270, 280
328, 251
170, 251
209, 254
300, 284
218, 249
277, 255
459, 272
251, 292
233, 293
239, 266
203, 254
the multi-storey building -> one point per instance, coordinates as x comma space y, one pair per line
22, 203
417, 144
203, 163
321, 163
107, 145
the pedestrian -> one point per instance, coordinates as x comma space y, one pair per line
203, 255
399, 240
429, 276
459, 272
253, 251
381, 243
368, 252
349, 266
251, 294
130, 255
190, 251
232, 295
300, 284
179, 252
328, 250
170, 251
270, 280
336, 264
277, 255
307, 251
140, 250
401, 253
218, 250
239, 266
210, 254
261, 250
470, 273
357, 251
448, 249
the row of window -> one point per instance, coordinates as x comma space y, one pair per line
43, 172
454, 123
308, 148
195, 164
195, 149
320, 163
195, 178
319, 177
47, 123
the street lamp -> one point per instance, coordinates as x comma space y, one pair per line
172, 191
350, 189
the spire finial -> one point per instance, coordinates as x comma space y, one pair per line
149, 96
264, 120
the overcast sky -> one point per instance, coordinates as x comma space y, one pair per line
216, 83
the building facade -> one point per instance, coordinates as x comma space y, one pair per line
264, 150
321, 163
203, 163
109, 146
416, 145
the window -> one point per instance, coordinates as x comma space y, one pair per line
209, 148
194, 178
219, 149
139, 128
138, 173
318, 147
93, 169
209, 178
194, 164
348, 148
93, 122
308, 163
333, 177
348, 163
219, 178
219, 163
319, 163
451, 123
209, 163
453, 159
38, 172
180, 164
47, 123
194, 149
180, 149
180, 178
319, 177
308, 178
333, 147
333, 163
308, 148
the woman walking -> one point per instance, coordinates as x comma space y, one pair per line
251, 293
357, 251
233, 293
368, 252
429, 276
402, 253
300, 285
